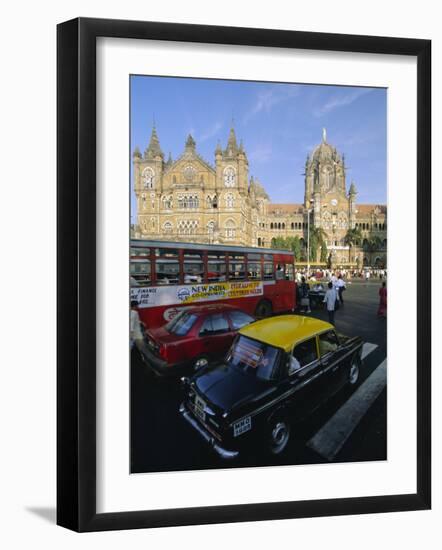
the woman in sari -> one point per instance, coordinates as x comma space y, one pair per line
382, 309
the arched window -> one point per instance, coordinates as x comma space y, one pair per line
167, 227
292, 225
230, 227
167, 202
148, 178
342, 221
187, 227
229, 200
279, 225
283, 225
271, 225
211, 227
259, 241
326, 220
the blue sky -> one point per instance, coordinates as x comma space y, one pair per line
278, 123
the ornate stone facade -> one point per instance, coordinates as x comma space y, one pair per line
191, 200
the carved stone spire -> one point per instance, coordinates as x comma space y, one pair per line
232, 146
153, 149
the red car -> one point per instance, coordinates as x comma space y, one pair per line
195, 337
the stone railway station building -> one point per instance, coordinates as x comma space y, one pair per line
190, 200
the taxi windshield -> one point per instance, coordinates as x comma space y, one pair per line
255, 358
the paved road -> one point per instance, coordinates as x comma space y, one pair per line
162, 441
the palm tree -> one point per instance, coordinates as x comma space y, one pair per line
352, 237
374, 245
318, 238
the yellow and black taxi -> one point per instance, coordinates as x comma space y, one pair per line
277, 372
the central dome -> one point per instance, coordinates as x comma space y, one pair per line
324, 151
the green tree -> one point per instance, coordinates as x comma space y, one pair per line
352, 237
296, 247
318, 238
374, 245
324, 252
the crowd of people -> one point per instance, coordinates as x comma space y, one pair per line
346, 274
333, 284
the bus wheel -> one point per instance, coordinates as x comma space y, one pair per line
200, 362
263, 309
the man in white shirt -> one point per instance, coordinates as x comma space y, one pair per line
330, 299
340, 287
136, 335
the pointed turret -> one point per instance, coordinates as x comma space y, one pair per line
190, 143
153, 149
352, 191
137, 153
252, 189
232, 146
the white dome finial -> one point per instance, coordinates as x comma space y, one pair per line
324, 135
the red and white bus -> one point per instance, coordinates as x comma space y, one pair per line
167, 276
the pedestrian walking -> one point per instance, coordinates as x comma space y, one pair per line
330, 300
136, 334
367, 277
340, 287
382, 309
304, 291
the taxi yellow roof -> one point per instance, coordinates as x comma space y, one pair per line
284, 331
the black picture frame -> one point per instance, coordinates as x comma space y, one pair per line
76, 272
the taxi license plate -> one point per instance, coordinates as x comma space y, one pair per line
200, 405
242, 426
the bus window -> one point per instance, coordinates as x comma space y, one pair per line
166, 253
140, 274
268, 271
136, 251
193, 268
254, 266
280, 272
268, 258
216, 266
237, 267
289, 272
168, 271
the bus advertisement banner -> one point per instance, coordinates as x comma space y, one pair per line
191, 294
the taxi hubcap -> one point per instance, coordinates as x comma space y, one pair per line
354, 373
280, 434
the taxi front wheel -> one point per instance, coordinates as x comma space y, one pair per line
355, 369
278, 435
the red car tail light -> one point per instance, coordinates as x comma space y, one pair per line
163, 351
